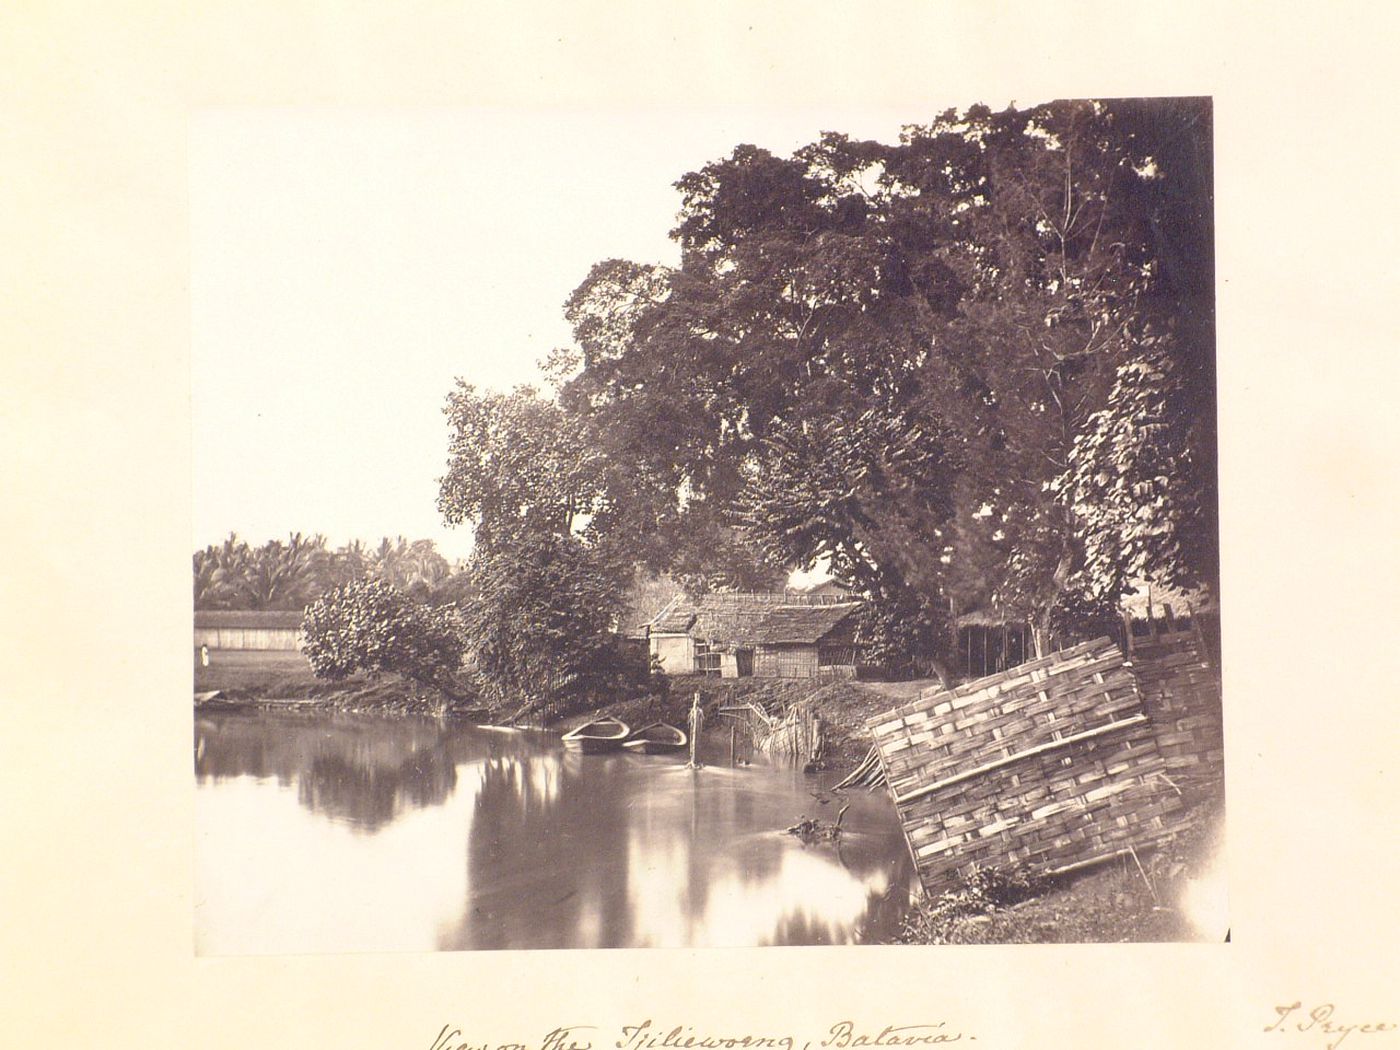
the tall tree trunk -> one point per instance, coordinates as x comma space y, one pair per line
1040, 638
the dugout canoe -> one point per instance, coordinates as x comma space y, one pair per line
657, 738
601, 734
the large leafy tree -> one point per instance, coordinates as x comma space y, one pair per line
868, 491
781, 333
516, 466
972, 304
545, 592
540, 624
1071, 305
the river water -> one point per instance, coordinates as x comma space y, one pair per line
333, 833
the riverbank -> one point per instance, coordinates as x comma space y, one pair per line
277, 686
1171, 894
1174, 893
844, 707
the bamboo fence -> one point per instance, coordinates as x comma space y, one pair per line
1181, 694
1053, 763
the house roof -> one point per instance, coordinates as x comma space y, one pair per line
801, 624
731, 617
675, 618
832, 587
256, 618
988, 618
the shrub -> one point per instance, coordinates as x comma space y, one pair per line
981, 891
367, 625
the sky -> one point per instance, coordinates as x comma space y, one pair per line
348, 266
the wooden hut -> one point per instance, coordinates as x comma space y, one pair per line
807, 641
988, 642
668, 637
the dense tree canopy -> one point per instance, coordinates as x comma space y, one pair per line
972, 367
516, 465
540, 626
277, 575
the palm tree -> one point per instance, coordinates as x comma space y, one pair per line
288, 575
351, 562
285, 575
219, 574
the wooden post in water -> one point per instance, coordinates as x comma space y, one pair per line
696, 724
733, 732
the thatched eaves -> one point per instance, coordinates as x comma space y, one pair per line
802, 624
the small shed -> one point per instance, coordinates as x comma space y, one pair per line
668, 637
988, 642
807, 641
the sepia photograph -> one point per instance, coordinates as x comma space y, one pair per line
706, 527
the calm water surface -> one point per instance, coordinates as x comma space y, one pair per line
330, 833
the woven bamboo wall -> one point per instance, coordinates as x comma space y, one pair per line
775, 661
1181, 693
1052, 763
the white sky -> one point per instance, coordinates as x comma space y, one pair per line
348, 265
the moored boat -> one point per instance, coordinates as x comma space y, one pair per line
601, 734
656, 739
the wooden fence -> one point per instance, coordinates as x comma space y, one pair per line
1053, 763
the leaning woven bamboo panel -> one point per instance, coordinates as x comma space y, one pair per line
1181, 694
1053, 763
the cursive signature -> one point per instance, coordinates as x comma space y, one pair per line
1321, 1019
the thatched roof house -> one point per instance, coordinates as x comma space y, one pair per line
811, 641
1152, 601
719, 633
802, 624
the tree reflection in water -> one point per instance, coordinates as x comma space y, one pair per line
570, 850
557, 849
542, 855
362, 771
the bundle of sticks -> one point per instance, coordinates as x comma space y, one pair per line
867, 774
